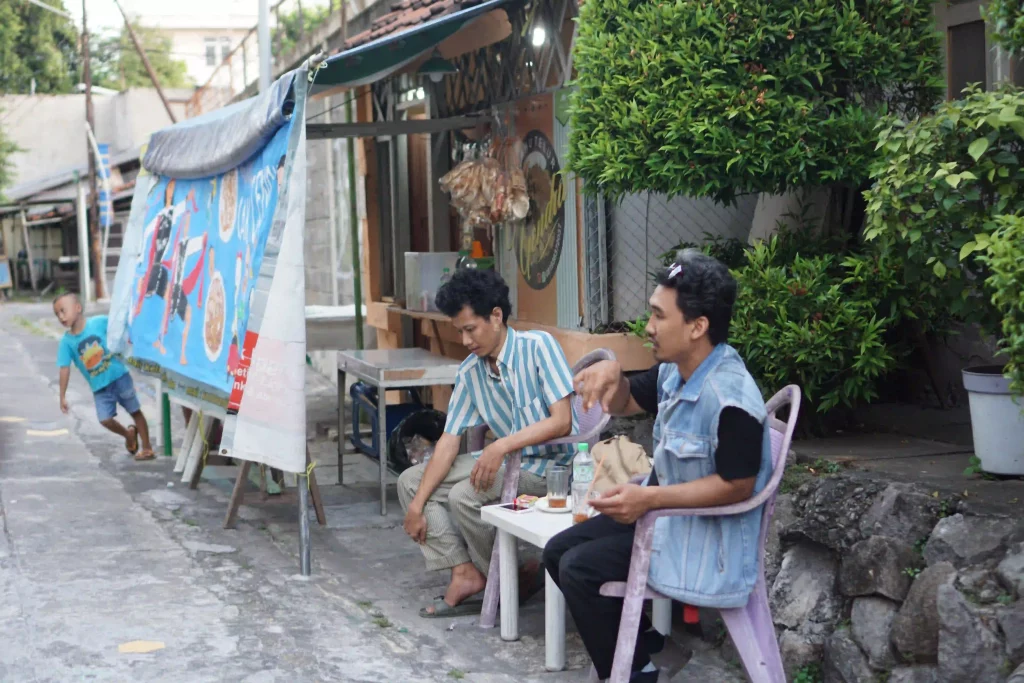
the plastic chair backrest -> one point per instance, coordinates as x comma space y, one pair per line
781, 438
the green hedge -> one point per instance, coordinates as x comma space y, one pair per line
716, 98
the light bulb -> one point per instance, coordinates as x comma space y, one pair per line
539, 36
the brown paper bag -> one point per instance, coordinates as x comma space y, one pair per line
623, 460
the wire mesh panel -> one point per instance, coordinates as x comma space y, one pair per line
626, 243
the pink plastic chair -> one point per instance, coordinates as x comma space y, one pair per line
751, 626
591, 424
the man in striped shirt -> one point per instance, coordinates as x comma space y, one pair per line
517, 383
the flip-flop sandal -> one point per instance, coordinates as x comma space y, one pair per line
145, 455
442, 609
134, 438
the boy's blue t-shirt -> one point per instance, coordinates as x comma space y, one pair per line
89, 352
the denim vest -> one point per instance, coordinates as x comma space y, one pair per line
705, 561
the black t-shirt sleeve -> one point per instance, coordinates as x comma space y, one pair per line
739, 444
643, 387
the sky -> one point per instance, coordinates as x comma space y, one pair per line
104, 16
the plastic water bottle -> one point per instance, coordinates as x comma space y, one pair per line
446, 275
583, 465
582, 477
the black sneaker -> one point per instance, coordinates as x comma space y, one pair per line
654, 641
644, 677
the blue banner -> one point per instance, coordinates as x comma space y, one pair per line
192, 280
106, 206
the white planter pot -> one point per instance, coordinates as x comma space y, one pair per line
996, 420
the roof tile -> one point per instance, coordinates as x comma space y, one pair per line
406, 14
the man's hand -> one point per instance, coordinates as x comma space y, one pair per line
415, 524
598, 384
487, 466
64, 405
625, 503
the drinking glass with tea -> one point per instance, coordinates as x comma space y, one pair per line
582, 494
558, 486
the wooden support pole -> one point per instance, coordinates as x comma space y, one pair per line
145, 62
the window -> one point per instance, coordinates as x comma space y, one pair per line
225, 49
968, 59
211, 52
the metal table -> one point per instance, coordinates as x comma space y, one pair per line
388, 370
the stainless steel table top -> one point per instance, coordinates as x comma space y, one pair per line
399, 368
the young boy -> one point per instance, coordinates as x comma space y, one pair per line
85, 344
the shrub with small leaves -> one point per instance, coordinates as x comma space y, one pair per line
1007, 19
1004, 255
797, 323
943, 180
717, 98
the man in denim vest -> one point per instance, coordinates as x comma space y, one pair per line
711, 449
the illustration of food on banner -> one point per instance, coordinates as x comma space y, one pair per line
193, 279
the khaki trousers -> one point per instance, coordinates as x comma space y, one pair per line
455, 532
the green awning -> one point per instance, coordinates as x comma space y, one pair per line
378, 59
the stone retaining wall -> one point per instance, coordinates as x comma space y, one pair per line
877, 582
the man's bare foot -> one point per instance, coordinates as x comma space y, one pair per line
466, 581
159, 346
184, 361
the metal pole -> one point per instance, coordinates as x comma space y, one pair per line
145, 62
303, 483
168, 447
263, 35
94, 206
102, 274
357, 283
83, 243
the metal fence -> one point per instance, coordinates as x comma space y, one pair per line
625, 244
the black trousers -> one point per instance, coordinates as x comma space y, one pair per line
580, 560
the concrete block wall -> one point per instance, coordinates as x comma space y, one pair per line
328, 249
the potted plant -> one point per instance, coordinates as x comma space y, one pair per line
995, 391
945, 195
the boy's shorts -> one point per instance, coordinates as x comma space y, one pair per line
121, 390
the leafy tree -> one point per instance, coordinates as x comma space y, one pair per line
1007, 19
939, 186
7, 148
292, 26
37, 44
116, 63
717, 98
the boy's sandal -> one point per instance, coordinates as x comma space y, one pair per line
131, 442
145, 455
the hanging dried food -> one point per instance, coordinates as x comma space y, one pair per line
491, 189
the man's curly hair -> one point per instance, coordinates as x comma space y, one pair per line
481, 290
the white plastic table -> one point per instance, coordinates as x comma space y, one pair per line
536, 528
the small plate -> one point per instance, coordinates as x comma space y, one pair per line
542, 505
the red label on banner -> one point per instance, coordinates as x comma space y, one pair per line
240, 363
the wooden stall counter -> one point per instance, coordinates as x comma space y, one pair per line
444, 339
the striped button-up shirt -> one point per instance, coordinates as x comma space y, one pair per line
533, 375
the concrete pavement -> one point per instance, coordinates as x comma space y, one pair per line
99, 550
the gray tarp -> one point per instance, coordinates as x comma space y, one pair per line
221, 140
